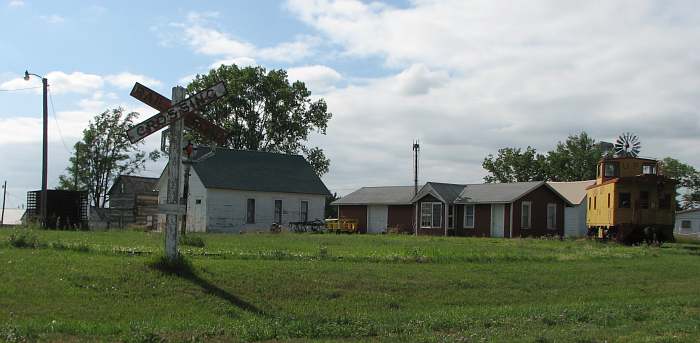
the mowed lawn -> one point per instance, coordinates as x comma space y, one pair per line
102, 286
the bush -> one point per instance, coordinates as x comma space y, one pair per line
193, 241
24, 240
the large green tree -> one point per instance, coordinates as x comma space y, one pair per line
264, 111
575, 159
688, 180
515, 165
103, 153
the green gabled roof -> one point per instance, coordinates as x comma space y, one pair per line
258, 171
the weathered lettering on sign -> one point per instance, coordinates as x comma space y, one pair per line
177, 111
193, 121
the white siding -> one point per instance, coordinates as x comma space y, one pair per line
196, 213
377, 216
575, 221
226, 209
693, 217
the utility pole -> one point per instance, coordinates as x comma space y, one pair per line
174, 162
4, 191
45, 150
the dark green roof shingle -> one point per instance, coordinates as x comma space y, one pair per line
258, 171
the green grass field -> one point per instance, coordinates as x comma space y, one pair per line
105, 286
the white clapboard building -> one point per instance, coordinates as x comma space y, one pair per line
575, 215
246, 191
688, 222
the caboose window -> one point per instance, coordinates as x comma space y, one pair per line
665, 201
644, 199
649, 169
610, 170
624, 200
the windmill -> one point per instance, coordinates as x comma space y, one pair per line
627, 145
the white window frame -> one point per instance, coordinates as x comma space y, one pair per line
473, 216
690, 224
276, 214
423, 215
301, 211
553, 225
529, 215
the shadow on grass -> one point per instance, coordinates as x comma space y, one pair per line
181, 267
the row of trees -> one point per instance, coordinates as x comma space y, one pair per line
262, 111
576, 159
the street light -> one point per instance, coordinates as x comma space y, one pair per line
45, 156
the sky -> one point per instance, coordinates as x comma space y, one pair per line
463, 77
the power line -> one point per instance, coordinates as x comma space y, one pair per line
19, 89
53, 110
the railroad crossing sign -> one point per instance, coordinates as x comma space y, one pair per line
175, 116
169, 113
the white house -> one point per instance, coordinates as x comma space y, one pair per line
244, 191
688, 222
574, 216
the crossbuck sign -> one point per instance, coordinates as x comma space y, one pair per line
181, 109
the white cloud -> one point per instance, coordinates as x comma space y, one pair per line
15, 3
418, 79
53, 19
126, 80
239, 61
205, 39
476, 76
318, 78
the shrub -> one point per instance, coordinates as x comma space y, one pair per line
193, 241
24, 240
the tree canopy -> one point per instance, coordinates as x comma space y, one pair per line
103, 153
572, 160
263, 111
688, 179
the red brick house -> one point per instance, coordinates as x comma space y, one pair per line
521, 209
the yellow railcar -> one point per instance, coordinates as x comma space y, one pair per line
631, 201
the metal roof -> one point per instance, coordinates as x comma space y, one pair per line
574, 192
389, 195
496, 192
258, 171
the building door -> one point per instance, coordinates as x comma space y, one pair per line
377, 216
498, 212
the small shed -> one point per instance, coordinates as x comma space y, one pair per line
378, 209
133, 201
688, 222
574, 214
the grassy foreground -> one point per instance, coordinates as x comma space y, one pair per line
106, 286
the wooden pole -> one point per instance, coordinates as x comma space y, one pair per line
175, 163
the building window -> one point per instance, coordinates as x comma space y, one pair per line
552, 216
430, 214
198, 201
644, 199
624, 200
250, 213
649, 169
469, 216
304, 213
610, 170
278, 211
686, 224
525, 209
450, 216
